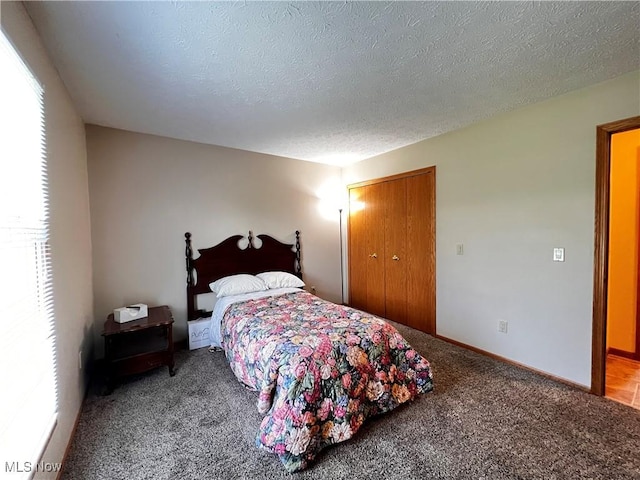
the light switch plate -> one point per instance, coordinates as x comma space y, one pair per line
459, 249
558, 254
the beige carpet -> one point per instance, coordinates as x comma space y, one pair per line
484, 420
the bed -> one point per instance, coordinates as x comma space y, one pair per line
320, 369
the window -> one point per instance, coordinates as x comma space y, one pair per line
28, 403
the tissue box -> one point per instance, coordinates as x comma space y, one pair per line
199, 333
132, 312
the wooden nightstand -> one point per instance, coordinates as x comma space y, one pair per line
138, 346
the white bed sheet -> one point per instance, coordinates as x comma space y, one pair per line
225, 302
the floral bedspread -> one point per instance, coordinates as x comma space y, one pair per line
320, 369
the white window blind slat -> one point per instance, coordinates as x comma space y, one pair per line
28, 403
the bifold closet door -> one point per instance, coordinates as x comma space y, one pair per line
392, 248
375, 213
357, 249
395, 259
366, 249
421, 258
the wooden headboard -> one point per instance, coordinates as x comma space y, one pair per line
227, 258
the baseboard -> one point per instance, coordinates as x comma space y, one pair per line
514, 363
623, 353
75, 427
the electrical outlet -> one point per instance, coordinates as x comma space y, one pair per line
80, 359
502, 326
313, 289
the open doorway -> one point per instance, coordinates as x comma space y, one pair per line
617, 256
622, 366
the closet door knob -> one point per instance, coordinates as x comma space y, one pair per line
373, 255
395, 257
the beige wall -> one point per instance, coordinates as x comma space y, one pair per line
623, 241
70, 226
512, 188
147, 191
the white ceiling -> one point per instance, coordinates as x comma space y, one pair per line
332, 82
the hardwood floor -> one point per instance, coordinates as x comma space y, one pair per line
622, 382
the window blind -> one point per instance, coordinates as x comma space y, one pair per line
28, 403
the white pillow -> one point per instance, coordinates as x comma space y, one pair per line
237, 285
280, 280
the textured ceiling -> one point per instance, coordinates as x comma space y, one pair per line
333, 82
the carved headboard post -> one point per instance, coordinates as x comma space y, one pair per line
298, 261
189, 259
